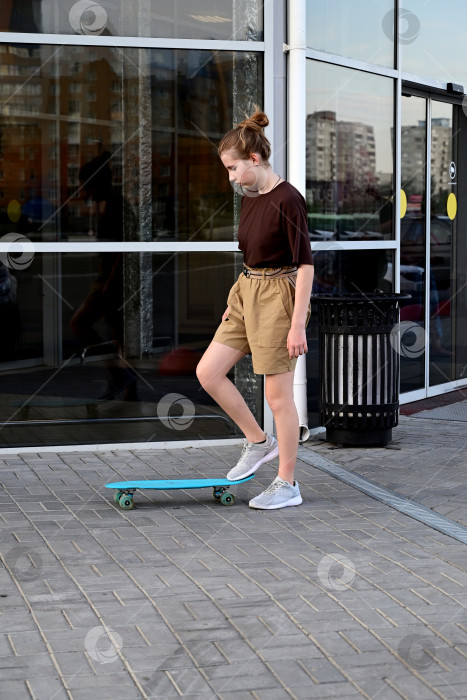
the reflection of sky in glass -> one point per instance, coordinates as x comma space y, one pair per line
355, 97
352, 28
440, 49
413, 111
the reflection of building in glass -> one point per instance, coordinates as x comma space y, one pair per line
441, 154
341, 159
413, 140
19, 134
321, 146
62, 108
50, 124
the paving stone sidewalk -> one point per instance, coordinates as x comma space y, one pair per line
183, 597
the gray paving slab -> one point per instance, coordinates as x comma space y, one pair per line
342, 597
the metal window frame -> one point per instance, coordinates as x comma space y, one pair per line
427, 321
137, 42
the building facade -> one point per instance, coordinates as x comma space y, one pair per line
118, 224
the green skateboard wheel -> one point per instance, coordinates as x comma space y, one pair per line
126, 501
227, 499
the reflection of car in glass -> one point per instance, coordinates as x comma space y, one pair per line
411, 279
344, 227
413, 246
320, 235
317, 235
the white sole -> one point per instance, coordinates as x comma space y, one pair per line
268, 458
296, 501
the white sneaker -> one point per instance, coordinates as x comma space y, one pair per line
253, 456
278, 495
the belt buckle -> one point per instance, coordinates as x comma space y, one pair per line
246, 272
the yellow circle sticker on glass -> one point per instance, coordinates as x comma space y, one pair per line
403, 204
452, 206
14, 210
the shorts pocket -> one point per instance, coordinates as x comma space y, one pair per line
274, 317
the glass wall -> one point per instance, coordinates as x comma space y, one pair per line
433, 40
92, 360
434, 257
350, 175
413, 244
118, 146
228, 20
70, 133
362, 29
430, 35
350, 153
448, 352
352, 135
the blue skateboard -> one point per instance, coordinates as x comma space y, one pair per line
124, 490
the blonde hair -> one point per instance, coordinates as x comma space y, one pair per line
248, 137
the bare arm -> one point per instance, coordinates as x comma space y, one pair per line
296, 341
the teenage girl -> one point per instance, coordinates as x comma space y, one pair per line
267, 309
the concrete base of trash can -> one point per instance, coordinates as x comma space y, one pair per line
351, 437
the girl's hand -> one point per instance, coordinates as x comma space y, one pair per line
226, 313
296, 342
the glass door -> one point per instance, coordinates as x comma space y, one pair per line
433, 244
413, 242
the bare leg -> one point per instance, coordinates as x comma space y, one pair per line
279, 394
211, 372
82, 321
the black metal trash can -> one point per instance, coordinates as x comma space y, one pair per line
359, 366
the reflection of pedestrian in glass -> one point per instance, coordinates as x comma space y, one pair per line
105, 299
268, 309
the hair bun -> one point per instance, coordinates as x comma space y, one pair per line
248, 137
258, 120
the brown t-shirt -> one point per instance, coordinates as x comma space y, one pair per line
273, 230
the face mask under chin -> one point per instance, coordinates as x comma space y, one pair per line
243, 190
247, 190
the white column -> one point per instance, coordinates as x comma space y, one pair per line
296, 127
275, 106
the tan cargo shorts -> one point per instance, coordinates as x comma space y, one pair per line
259, 321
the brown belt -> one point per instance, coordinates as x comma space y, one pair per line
270, 272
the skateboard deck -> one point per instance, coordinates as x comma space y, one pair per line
124, 490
